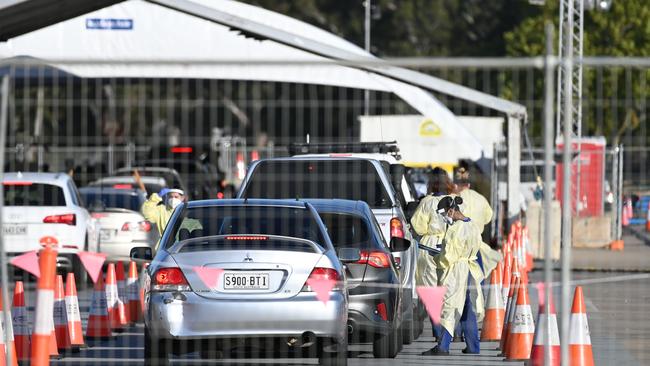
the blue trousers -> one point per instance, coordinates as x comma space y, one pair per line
468, 324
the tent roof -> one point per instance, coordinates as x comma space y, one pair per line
22, 16
108, 41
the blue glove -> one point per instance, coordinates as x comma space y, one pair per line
163, 192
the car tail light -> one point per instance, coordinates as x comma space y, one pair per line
396, 228
220, 195
246, 237
17, 183
377, 259
320, 274
133, 226
68, 219
123, 186
182, 149
381, 310
169, 279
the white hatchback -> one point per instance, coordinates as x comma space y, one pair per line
46, 209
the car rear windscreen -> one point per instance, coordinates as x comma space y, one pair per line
347, 231
33, 194
206, 222
343, 179
95, 201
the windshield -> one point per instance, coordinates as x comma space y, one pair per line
33, 194
356, 180
207, 222
347, 231
96, 200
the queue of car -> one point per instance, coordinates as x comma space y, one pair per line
324, 213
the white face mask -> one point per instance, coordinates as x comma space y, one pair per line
173, 202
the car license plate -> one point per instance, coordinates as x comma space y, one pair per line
106, 234
246, 281
14, 230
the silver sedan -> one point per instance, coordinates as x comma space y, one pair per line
246, 274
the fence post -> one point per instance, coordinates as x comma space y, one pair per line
4, 271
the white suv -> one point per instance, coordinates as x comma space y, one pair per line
357, 176
45, 208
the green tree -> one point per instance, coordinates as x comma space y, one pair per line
406, 28
614, 98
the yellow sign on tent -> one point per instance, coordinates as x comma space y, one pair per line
429, 129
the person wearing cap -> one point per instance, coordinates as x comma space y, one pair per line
431, 227
460, 274
476, 207
160, 206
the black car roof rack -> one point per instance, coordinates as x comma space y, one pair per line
388, 147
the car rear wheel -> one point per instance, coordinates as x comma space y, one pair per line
388, 345
155, 351
336, 357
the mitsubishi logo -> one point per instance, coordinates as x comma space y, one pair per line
248, 258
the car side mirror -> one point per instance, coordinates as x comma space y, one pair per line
349, 255
398, 244
410, 209
142, 253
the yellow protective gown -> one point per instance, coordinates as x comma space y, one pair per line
156, 213
477, 208
159, 214
431, 227
456, 264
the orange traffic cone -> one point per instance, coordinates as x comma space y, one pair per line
538, 352
61, 317
54, 349
42, 335
522, 328
121, 290
510, 313
99, 325
580, 353
495, 310
7, 345
74, 316
132, 294
20, 319
115, 306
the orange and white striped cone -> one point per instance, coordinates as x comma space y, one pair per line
121, 290
538, 353
8, 345
495, 309
143, 278
61, 317
115, 306
73, 314
510, 313
20, 320
580, 352
522, 328
54, 349
44, 323
133, 294
99, 325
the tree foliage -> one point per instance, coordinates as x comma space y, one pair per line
614, 98
406, 28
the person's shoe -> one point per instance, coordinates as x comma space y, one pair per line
466, 351
435, 351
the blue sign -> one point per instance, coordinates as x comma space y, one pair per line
109, 24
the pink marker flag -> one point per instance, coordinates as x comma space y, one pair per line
27, 262
209, 276
93, 263
322, 287
432, 299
